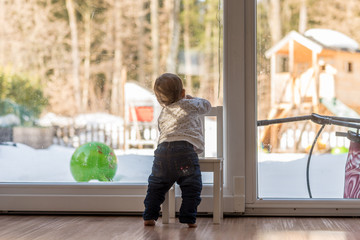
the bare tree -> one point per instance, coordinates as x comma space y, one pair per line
87, 55
174, 37
336, 16
217, 59
154, 6
303, 17
2, 33
206, 61
274, 16
116, 101
141, 49
74, 53
187, 47
205, 76
84, 46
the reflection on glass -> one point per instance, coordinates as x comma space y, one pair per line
83, 72
307, 62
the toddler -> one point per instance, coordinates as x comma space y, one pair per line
176, 157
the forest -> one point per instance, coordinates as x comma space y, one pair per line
75, 56
276, 18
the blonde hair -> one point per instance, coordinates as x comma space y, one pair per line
168, 88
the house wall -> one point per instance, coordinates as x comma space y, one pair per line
282, 82
347, 84
282, 88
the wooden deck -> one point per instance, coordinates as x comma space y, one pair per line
131, 227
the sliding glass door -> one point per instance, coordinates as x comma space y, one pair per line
78, 118
307, 109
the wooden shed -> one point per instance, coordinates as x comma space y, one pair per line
318, 71
321, 64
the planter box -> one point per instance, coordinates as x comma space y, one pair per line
35, 137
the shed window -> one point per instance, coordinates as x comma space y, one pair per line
283, 64
349, 67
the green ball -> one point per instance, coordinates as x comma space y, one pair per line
93, 161
339, 150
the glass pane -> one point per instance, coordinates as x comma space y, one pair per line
82, 72
308, 60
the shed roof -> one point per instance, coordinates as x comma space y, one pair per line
316, 40
138, 96
333, 39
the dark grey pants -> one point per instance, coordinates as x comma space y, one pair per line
174, 162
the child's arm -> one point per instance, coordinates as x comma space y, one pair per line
202, 105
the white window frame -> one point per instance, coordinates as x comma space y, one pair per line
115, 197
255, 205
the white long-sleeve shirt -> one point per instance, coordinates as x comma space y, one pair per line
180, 121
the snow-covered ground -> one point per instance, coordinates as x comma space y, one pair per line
283, 175
279, 175
22, 163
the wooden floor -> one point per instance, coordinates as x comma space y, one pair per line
51, 227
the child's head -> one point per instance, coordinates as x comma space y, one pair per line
168, 89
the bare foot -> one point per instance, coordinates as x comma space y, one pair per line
192, 225
149, 223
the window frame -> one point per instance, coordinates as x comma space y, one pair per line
116, 197
255, 205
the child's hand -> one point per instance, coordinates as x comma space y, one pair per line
188, 97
